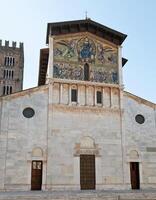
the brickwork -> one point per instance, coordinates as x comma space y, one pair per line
11, 67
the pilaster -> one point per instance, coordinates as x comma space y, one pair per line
120, 66
50, 60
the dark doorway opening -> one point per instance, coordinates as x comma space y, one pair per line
36, 175
87, 172
135, 178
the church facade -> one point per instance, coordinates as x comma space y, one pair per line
78, 129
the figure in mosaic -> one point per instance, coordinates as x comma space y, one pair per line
111, 55
100, 76
86, 50
100, 53
114, 77
65, 49
106, 55
66, 71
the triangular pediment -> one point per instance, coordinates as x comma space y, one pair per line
87, 25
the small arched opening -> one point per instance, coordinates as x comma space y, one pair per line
86, 72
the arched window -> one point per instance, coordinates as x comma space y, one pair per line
10, 61
9, 74
5, 62
99, 97
3, 90
10, 89
7, 90
12, 74
4, 74
86, 72
74, 95
13, 61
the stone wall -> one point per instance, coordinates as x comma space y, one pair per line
73, 124
140, 139
70, 127
60, 131
19, 136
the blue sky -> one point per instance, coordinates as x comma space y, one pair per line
26, 21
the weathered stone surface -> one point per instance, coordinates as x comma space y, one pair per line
62, 130
77, 195
56, 133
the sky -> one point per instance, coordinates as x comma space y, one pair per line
26, 21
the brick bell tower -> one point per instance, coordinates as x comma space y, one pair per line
11, 67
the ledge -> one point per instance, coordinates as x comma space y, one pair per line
87, 83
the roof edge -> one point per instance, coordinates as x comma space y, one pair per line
141, 100
23, 92
121, 35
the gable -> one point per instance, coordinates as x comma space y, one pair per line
140, 100
86, 25
80, 27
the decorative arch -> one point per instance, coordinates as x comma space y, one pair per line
86, 146
134, 154
37, 152
87, 142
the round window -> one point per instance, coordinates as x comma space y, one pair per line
139, 119
28, 112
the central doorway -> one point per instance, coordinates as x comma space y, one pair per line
36, 175
135, 178
87, 172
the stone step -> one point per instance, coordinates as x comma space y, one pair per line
77, 195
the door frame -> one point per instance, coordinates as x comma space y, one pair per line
136, 177
94, 172
41, 173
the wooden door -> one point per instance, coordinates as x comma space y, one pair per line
87, 172
135, 179
36, 175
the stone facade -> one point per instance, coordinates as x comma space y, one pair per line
60, 130
11, 68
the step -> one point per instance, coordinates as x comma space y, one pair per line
79, 195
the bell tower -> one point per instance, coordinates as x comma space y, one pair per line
12, 67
